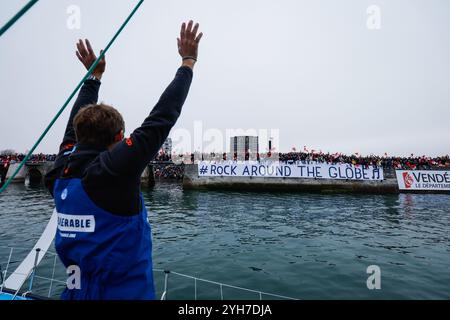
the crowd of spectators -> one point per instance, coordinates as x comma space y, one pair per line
6, 159
168, 171
164, 168
163, 157
387, 162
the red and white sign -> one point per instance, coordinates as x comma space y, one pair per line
423, 180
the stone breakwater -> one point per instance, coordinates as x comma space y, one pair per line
388, 185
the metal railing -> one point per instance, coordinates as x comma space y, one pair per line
32, 275
220, 285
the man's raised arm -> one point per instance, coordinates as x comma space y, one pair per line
88, 94
131, 156
89, 91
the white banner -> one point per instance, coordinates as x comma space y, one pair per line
283, 170
423, 180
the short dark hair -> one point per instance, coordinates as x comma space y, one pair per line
98, 125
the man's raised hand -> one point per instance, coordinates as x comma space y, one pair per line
188, 43
87, 57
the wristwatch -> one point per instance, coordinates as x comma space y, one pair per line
92, 77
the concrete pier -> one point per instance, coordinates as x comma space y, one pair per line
193, 181
33, 172
20, 177
148, 177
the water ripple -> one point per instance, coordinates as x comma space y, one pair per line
302, 245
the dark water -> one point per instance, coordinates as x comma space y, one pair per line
305, 246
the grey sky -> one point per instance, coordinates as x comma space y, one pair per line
309, 68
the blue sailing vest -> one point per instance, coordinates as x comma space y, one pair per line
112, 252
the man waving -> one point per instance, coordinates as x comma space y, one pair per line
102, 219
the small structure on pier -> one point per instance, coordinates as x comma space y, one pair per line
32, 172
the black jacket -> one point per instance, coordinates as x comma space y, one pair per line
112, 178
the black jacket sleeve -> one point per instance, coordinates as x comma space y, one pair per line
129, 158
88, 95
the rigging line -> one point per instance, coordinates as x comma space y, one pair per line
17, 16
94, 65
